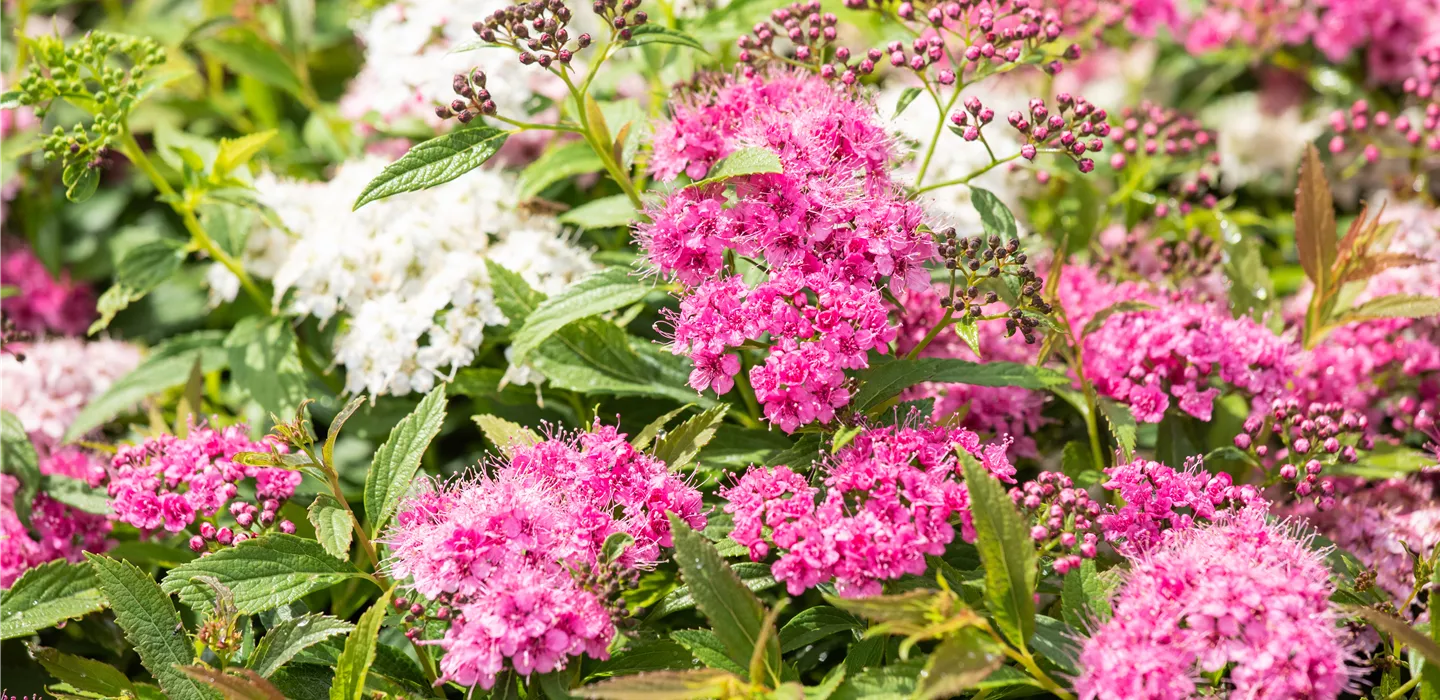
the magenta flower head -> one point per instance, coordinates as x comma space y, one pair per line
169, 482
1160, 501
889, 499
1241, 597
42, 303
512, 554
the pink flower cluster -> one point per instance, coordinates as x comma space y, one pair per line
998, 411
42, 303
1376, 521
889, 500
500, 551
1146, 358
1160, 501
170, 482
44, 392
1238, 595
1064, 518
821, 238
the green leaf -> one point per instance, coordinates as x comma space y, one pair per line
245, 53
745, 161
516, 299
906, 97
594, 356
506, 435
755, 576
359, 653
80, 181
84, 674
327, 452
707, 648
47, 595
648, 433
893, 682
263, 573
1315, 222
960, 662
885, 379
692, 684
237, 152
969, 331
19, 459
815, 624
615, 211
603, 291
659, 34
334, 527
1122, 426
1252, 290
1394, 306
115, 299
1402, 632
435, 162
234, 683
152, 625
1006, 551
995, 217
76, 494
735, 613
290, 637
1119, 307
679, 447
165, 368
11, 100
564, 161
145, 266
393, 468
644, 655
1056, 642
1086, 595
265, 363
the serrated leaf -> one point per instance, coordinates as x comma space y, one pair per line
506, 435
815, 624
564, 161
885, 379
145, 266
659, 34
1402, 632
707, 649
1007, 553
76, 494
1085, 596
167, 367
679, 447
263, 573
1394, 306
969, 331
245, 53
290, 637
234, 683
755, 576
435, 162
606, 290
693, 684
745, 161
265, 363
906, 97
237, 152
914, 606
19, 459
359, 653
615, 211
1103, 315
594, 356
643, 438
1122, 426
47, 595
644, 655
83, 674
960, 662
994, 215
1315, 222
80, 181
327, 453
515, 297
734, 612
395, 463
151, 623
334, 527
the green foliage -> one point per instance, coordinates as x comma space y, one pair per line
435, 162
398, 458
18, 459
166, 367
263, 573
48, 595
359, 653
151, 623
607, 290
745, 161
290, 637
886, 379
1006, 551
334, 526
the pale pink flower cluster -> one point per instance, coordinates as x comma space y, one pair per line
45, 392
170, 482
998, 411
42, 303
1376, 521
1159, 502
889, 499
1240, 597
822, 238
1175, 351
501, 550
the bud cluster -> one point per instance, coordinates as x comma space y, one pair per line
250, 522
1412, 134
1152, 131
974, 259
418, 615
1076, 128
84, 70
607, 581
1311, 437
1182, 259
808, 34
1065, 517
539, 32
473, 98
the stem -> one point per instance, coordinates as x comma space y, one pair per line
966, 180
1402, 690
748, 393
1046, 682
935, 136
944, 321
535, 126
22, 51
601, 149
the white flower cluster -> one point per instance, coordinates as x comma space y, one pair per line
409, 270
411, 58
59, 377
1257, 143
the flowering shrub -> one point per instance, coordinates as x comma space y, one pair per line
1075, 349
